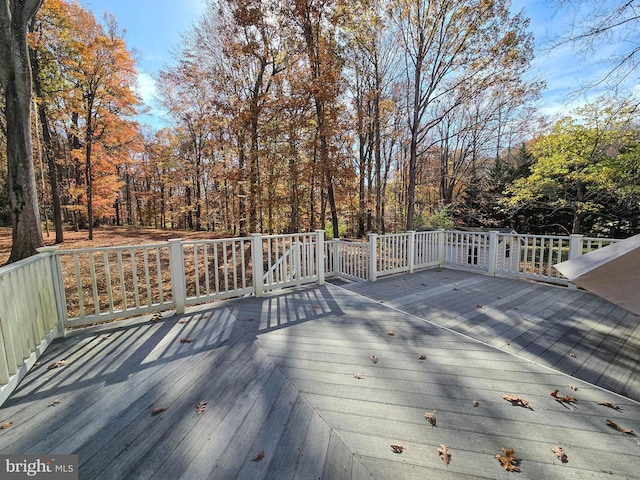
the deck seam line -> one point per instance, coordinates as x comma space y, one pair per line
412, 315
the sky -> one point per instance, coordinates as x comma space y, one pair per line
154, 28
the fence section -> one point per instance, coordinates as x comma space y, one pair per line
29, 316
350, 260
291, 259
217, 269
102, 284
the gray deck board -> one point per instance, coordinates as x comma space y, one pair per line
278, 376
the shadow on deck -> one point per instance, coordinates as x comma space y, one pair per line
278, 375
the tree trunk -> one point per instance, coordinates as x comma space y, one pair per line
15, 78
49, 151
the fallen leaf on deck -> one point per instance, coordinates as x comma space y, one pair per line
391, 333
158, 410
573, 387
359, 376
479, 305
455, 289
396, 448
475, 403
54, 403
444, 453
422, 356
156, 318
6, 425
258, 457
516, 400
200, 407
61, 363
374, 359
560, 454
613, 424
613, 405
186, 340
564, 398
103, 339
184, 320
431, 418
572, 354
509, 461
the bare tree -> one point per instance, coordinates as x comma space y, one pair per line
597, 25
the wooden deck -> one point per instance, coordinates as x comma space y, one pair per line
278, 375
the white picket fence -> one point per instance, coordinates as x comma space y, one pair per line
42, 296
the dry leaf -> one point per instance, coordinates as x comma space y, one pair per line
103, 339
184, 320
564, 398
396, 448
509, 461
560, 454
444, 453
573, 387
200, 407
613, 405
156, 318
572, 354
479, 305
613, 424
158, 410
359, 376
186, 340
422, 356
54, 403
391, 333
58, 364
6, 425
475, 403
431, 418
374, 359
516, 400
258, 457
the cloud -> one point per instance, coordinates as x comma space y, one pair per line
146, 88
152, 113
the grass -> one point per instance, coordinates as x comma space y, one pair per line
108, 236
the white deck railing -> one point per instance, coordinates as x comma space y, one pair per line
30, 316
42, 296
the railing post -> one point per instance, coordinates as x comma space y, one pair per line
257, 260
575, 246
373, 256
58, 287
493, 253
575, 250
320, 256
441, 237
297, 261
411, 249
178, 280
336, 257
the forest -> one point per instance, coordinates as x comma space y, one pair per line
356, 117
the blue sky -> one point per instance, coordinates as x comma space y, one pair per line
154, 28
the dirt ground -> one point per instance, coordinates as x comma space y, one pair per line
106, 236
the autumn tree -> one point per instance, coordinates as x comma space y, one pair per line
16, 83
581, 165
452, 50
104, 73
370, 70
316, 23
